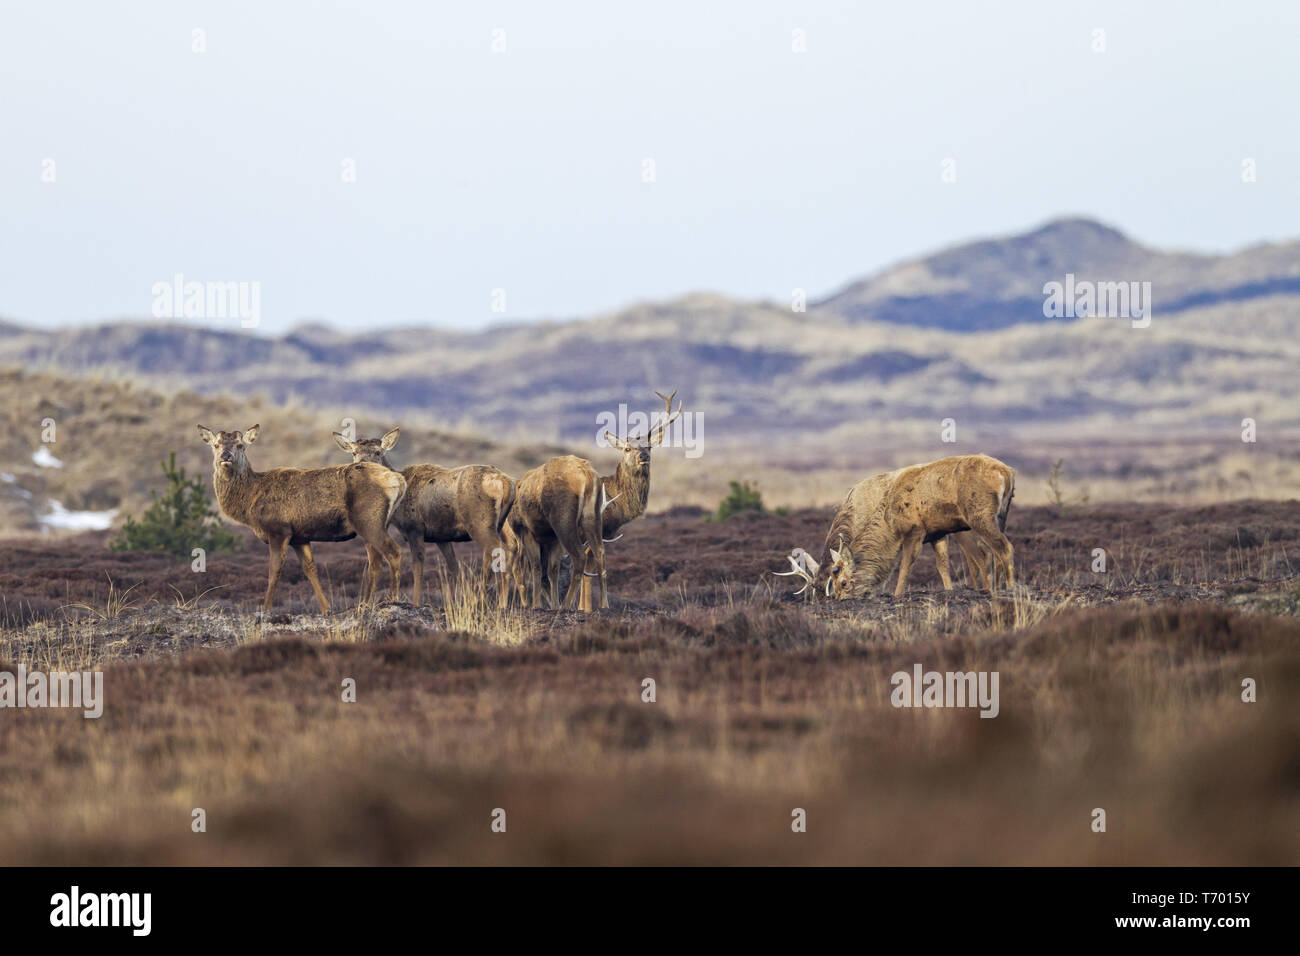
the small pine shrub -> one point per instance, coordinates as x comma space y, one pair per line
743, 497
179, 520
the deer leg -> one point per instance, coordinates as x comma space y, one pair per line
453, 566
277, 550
579, 592
524, 562
976, 559
485, 573
911, 548
393, 552
941, 562
573, 595
597, 556
594, 533
415, 541
309, 568
533, 558
543, 595
1003, 554
548, 574
586, 590
494, 549
583, 581
553, 575
371, 577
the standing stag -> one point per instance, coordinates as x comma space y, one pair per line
564, 504
897, 512
296, 506
442, 505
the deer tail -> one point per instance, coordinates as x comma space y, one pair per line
505, 501
396, 492
1004, 501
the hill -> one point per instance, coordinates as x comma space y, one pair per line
995, 283
805, 403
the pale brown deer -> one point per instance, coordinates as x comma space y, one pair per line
885, 520
445, 505
557, 507
296, 506
622, 498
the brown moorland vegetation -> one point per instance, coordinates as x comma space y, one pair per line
1120, 691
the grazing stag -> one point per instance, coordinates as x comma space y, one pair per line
895, 513
443, 505
296, 506
622, 498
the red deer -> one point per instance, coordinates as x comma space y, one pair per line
296, 506
893, 514
557, 506
443, 505
622, 498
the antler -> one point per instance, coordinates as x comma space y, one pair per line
657, 436
796, 559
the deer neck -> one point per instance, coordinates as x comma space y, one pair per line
234, 492
633, 491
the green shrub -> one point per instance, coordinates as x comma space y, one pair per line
743, 497
179, 520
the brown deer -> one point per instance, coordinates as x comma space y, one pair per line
443, 505
557, 507
622, 498
296, 506
893, 514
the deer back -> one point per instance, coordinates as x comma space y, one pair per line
552, 493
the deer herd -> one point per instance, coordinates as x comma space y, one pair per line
564, 506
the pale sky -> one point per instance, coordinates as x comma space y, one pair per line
522, 170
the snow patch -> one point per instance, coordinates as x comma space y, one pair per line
43, 458
61, 519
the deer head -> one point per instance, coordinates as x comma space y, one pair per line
228, 456
370, 449
636, 450
839, 583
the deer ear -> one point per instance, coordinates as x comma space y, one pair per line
343, 443
389, 439
835, 555
249, 435
207, 435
